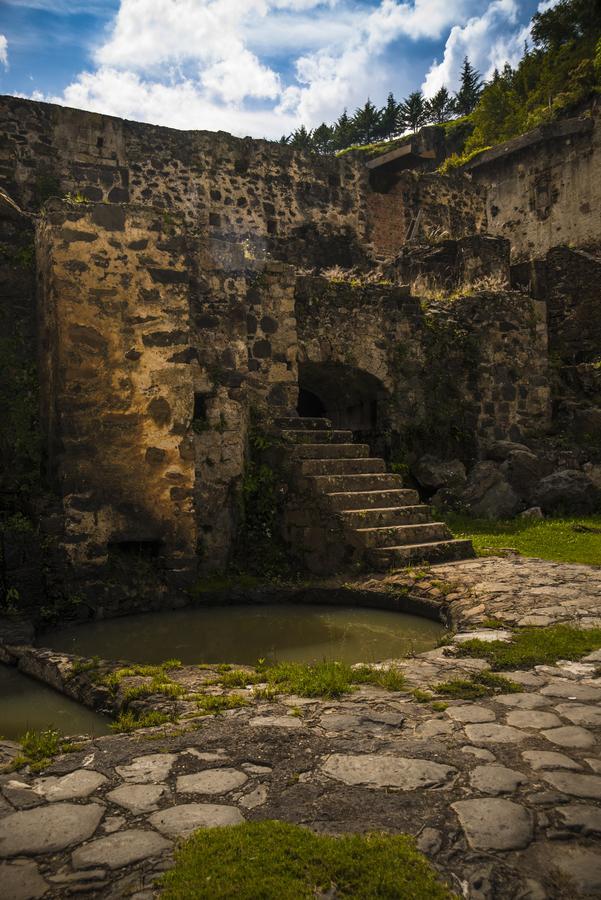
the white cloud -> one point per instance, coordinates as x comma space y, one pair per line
3, 51
487, 41
211, 63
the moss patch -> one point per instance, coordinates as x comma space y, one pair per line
560, 540
535, 647
277, 861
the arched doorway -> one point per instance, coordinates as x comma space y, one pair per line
351, 397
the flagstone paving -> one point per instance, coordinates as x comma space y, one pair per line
502, 793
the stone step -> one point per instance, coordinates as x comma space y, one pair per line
329, 451
329, 484
347, 501
392, 515
303, 423
439, 551
290, 436
403, 535
368, 466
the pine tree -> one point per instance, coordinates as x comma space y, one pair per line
469, 92
389, 118
366, 121
413, 111
323, 139
301, 139
344, 132
439, 108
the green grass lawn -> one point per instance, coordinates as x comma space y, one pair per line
276, 861
561, 540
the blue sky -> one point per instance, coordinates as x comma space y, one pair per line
257, 67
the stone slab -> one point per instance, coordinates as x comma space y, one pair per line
211, 781
532, 718
153, 768
47, 829
490, 733
496, 780
549, 759
182, 820
584, 819
491, 824
138, 798
276, 722
588, 786
120, 849
74, 786
580, 714
570, 736
372, 770
527, 700
572, 691
471, 713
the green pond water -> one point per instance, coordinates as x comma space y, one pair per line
244, 634
27, 704
232, 634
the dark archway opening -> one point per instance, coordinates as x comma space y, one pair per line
350, 397
309, 404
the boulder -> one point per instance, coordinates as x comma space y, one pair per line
567, 491
500, 450
433, 473
488, 494
523, 470
534, 512
594, 473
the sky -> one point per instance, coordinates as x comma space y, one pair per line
250, 67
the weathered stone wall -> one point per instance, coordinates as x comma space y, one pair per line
115, 319
545, 189
291, 204
448, 376
448, 206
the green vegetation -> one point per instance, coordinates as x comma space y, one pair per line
535, 647
231, 862
213, 704
39, 748
129, 721
561, 540
483, 684
327, 679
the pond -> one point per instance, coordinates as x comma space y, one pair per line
27, 704
244, 633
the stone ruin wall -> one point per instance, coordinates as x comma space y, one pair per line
225, 188
165, 325
547, 193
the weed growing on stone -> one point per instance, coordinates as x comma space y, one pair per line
535, 647
239, 678
39, 748
484, 684
213, 704
327, 679
83, 665
130, 721
277, 860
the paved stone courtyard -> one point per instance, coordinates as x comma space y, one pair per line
503, 794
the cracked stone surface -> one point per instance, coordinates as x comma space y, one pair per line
503, 793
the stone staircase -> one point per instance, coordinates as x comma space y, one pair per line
384, 521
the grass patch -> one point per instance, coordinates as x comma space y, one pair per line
213, 704
40, 747
238, 678
327, 679
129, 721
278, 861
535, 647
559, 540
484, 684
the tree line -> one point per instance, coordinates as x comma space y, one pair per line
561, 69
370, 124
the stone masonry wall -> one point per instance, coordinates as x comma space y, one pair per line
452, 376
114, 307
291, 204
547, 193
